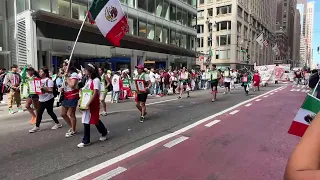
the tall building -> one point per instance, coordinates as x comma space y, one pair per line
227, 31
309, 32
285, 27
42, 32
296, 40
306, 10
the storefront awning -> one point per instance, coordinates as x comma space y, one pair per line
54, 26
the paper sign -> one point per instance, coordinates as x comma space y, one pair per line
244, 79
25, 93
85, 98
133, 85
214, 75
37, 85
102, 86
32, 89
140, 86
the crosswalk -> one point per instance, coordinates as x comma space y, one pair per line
300, 88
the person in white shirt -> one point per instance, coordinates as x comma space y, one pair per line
152, 77
227, 80
116, 87
46, 101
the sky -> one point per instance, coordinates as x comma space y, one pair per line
316, 32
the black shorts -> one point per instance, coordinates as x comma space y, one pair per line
142, 97
226, 84
33, 96
214, 84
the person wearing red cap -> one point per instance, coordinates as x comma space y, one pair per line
142, 96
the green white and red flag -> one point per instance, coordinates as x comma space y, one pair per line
305, 115
108, 15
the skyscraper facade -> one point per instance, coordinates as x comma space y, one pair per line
227, 31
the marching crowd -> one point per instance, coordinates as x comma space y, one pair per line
69, 83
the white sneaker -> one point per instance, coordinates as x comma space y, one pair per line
82, 145
104, 113
103, 138
213, 100
70, 134
56, 126
34, 129
224, 93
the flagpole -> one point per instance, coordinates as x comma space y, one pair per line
72, 51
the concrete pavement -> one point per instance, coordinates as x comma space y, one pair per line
48, 155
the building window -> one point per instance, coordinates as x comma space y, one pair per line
131, 3
173, 12
165, 13
224, 25
173, 37
179, 15
43, 5
142, 29
239, 27
184, 17
79, 10
210, 12
229, 39
246, 17
223, 40
239, 11
159, 7
223, 54
201, 1
223, 10
200, 14
200, 42
21, 6
142, 4
165, 36
150, 31
200, 29
133, 24
61, 7
152, 6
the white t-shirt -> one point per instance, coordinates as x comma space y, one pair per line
157, 77
46, 96
115, 83
96, 84
152, 77
72, 76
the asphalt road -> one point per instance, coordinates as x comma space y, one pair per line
49, 155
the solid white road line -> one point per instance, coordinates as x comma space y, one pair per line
248, 105
137, 150
212, 123
234, 112
258, 100
298, 90
175, 142
111, 174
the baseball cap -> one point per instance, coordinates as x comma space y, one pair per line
140, 66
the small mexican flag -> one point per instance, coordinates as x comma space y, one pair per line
305, 115
110, 19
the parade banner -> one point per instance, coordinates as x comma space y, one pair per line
265, 72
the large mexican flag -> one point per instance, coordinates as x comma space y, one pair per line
309, 108
110, 19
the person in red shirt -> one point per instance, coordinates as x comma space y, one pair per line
256, 81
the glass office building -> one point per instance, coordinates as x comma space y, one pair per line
41, 32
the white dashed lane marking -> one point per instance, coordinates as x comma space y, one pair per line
175, 141
111, 174
258, 100
248, 105
212, 123
234, 112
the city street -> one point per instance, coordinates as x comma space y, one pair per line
236, 137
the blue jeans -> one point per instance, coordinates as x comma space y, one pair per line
115, 95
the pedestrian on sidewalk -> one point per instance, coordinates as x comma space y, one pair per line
46, 101
71, 98
116, 87
13, 81
90, 114
32, 99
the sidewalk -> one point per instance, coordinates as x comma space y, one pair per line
249, 141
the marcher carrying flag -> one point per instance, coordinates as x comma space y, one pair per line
110, 19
